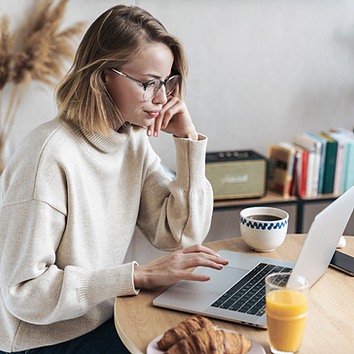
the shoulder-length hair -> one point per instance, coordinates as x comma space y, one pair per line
110, 42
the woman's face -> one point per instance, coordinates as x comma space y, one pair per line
154, 61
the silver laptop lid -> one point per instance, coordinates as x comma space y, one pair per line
323, 237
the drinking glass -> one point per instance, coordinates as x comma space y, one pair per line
286, 310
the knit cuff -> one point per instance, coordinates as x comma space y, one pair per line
100, 285
190, 160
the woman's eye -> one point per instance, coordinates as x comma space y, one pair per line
152, 84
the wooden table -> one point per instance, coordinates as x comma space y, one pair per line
330, 321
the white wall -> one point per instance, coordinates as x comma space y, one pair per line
260, 71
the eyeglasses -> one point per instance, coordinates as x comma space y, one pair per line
152, 87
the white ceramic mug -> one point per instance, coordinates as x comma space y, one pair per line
263, 228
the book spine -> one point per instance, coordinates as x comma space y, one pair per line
330, 164
310, 174
338, 170
303, 175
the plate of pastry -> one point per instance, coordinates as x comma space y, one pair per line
197, 334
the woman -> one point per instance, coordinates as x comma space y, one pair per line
78, 185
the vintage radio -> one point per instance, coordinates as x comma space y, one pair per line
236, 174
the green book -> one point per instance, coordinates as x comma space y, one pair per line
330, 164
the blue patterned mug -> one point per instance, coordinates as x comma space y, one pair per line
263, 228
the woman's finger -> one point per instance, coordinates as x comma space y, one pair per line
193, 260
196, 256
195, 277
173, 109
199, 248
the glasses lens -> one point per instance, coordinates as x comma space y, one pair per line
151, 89
171, 84
154, 86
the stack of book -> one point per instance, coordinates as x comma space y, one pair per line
312, 164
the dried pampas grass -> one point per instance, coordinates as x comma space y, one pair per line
43, 51
6, 44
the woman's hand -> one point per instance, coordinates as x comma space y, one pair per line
174, 119
173, 267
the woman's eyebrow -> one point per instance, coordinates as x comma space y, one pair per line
155, 76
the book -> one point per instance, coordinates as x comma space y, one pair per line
330, 163
279, 167
323, 143
295, 181
349, 180
347, 167
313, 165
291, 177
302, 163
298, 185
341, 164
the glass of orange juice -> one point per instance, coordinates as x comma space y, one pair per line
286, 310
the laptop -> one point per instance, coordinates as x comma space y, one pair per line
237, 292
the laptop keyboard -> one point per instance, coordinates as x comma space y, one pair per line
248, 294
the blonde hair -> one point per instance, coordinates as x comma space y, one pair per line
110, 42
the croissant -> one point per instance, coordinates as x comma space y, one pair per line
212, 342
183, 330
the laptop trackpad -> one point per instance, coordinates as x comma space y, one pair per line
219, 282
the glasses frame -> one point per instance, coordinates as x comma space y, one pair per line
147, 83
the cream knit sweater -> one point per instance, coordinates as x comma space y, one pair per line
70, 201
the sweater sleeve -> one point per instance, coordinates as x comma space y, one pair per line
35, 287
176, 214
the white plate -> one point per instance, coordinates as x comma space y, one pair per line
154, 349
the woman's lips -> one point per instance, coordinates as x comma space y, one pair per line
153, 114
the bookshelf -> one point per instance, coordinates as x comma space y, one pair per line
272, 198
316, 167
313, 164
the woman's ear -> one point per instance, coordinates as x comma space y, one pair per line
104, 76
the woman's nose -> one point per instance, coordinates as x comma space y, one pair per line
160, 97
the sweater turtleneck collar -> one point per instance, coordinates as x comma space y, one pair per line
108, 143
102, 142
